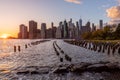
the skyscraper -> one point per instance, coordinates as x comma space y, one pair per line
66, 33
80, 24
49, 33
77, 25
77, 31
52, 25
23, 33
86, 28
58, 33
32, 29
101, 24
43, 30
88, 24
93, 27
61, 29
38, 34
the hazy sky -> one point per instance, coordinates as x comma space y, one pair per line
16, 12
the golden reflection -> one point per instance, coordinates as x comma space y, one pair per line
4, 44
5, 71
4, 55
6, 65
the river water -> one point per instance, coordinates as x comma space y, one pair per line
37, 62
33, 58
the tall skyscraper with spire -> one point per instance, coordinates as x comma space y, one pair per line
52, 25
80, 24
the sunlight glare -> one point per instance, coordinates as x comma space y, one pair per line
4, 36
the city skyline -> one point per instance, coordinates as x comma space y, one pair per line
15, 12
65, 30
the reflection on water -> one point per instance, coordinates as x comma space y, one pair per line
7, 65
34, 62
11, 62
9, 59
4, 43
7, 45
2, 55
5, 69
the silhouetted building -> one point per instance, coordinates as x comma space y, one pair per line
101, 24
38, 33
77, 31
62, 29
80, 24
70, 28
58, 33
52, 25
23, 33
43, 30
66, 33
54, 30
49, 33
93, 27
88, 24
32, 29
86, 28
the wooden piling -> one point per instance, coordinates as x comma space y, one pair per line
14, 48
26, 46
19, 49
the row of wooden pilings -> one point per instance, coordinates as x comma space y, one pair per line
19, 48
61, 52
103, 47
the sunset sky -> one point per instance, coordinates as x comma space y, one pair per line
16, 12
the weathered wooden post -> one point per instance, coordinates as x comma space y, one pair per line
108, 50
26, 46
14, 48
89, 45
19, 49
99, 48
113, 51
103, 49
61, 59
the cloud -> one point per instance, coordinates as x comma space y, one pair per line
114, 22
118, 1
74, 1
113, 12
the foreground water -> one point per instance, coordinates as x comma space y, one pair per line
38, 62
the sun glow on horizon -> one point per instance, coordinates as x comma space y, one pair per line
4, 36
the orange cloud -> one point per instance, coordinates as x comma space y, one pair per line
74, 1
113, 12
